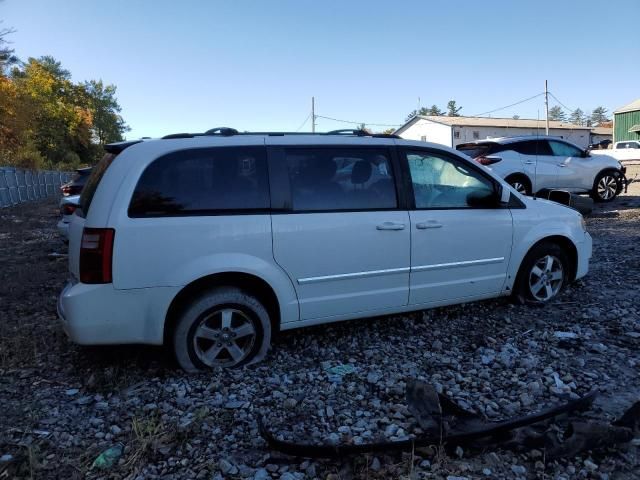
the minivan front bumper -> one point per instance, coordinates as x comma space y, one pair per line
101, 315
584, 249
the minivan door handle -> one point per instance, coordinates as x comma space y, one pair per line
429, 224
391, 226
529, 163
562, 165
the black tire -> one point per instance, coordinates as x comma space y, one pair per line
606, 186
225, 327
528, 279
521, 183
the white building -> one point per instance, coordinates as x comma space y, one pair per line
452, 131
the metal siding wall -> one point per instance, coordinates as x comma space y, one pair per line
20, 186
623, 122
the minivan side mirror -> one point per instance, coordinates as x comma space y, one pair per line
492, 199
585, 153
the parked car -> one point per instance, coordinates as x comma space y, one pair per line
601, 145
68, 206
533, 163
623, 151
212, 242
75, 186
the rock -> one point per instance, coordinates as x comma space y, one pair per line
436, 345
6, 458
71, 391
518, 469
375, 464
226, 467
116, 430
590, 465
373, 377
565, 335
487, 472
333, 438
290, 403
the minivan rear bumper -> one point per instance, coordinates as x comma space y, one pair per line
102, 315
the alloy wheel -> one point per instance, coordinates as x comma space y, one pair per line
607, 187
545, 278
224, 337
520, 187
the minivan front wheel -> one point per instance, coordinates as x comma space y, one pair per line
225, 327
543, 273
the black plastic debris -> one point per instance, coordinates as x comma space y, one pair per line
446, 423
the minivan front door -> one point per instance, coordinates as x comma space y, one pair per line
342, 240
460, 237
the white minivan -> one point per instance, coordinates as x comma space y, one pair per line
211, 242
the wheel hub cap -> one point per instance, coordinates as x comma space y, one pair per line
546, 278
224, 337
607, 187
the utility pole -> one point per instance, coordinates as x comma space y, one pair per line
313, 114
546, 106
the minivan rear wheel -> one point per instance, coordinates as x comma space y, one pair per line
543, 274
223, 328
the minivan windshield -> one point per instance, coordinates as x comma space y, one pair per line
92, 183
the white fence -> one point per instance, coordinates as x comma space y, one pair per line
20, 186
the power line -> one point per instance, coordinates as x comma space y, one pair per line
303, 123
359, 123
507, 106
561, 104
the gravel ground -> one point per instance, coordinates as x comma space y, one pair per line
62, 405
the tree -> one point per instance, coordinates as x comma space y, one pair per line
108, 125
556, 113
516, 117
7, 58
577, 117
433, 110
452, 109
599, 115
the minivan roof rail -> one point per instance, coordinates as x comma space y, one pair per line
229, 132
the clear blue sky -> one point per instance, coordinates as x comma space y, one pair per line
193, 65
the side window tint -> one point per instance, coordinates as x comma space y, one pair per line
340, 179
532, 147
561, 149
203, 181
442, 182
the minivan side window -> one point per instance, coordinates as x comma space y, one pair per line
561, 149
207, 181
326, 179
443, 182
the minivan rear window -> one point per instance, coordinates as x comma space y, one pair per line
86, 197
204, 181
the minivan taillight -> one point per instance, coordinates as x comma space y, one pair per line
96, 253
